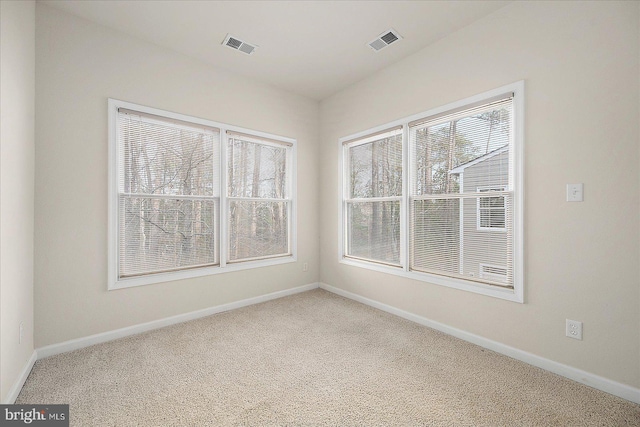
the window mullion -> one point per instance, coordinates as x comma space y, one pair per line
223, 214
404, 204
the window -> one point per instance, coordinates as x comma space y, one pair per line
491, 212
259, 206
457, 221
170, 218
167, 197
374, 195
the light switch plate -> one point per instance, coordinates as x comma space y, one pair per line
575, 193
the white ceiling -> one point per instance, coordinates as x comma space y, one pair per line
313, 48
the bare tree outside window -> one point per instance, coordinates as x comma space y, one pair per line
373, 207
258, 203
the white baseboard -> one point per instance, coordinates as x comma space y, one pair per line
612, 387
17, 386
618, 389
77, 343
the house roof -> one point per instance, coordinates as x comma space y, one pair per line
463, 166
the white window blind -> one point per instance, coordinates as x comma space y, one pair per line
438, 196
457, 160
259, 203
373, 192
168, 194
189, 197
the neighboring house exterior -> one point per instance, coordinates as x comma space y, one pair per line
483, 220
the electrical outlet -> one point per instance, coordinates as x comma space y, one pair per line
574, 329
305, 266
21, 333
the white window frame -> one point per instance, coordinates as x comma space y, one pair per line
478, 208
516, 159
113, 281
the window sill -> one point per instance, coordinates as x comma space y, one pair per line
478, 288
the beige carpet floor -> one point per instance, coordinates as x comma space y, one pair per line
311, 359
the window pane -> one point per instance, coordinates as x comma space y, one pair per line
492, 218
376, 168
163, 158
374, 231
258, 229
495, 202
446, 239
474, 145
256, 170
487, 240
436, 236
165, 234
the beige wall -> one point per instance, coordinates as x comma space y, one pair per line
580, 64
80, 65
17, 68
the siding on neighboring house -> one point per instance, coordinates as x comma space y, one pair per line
489, 171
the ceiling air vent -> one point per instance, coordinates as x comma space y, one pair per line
237, 44
384, 40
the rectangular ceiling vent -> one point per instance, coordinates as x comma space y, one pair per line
237, 44
384, 40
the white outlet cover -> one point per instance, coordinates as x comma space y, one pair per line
574, 329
